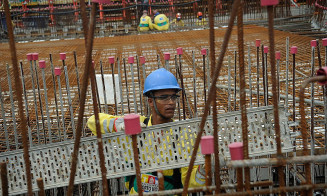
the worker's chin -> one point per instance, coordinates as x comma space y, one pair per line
169, 115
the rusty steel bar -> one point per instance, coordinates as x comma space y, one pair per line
229, 104
249, 74
18, 93
72, 118
127, 91
303, 125
240, 40
161, 180
88, 64
62, 109
208, 174
212, 54
96, 89
212, 92
4, 179
98, 128
137, 165
120, 85
204, 77
40, 184
312, 125
287, 70
194, 87
274, 92
293, 91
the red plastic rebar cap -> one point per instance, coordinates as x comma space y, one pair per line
236, 150
42, 64
204, 51
57, 71
131, 60
322, 72
179, 51
63, 56
29, 56
101, 1
167, 55
35, 56
265, 49
269, 2
324, 42
313, 43
207, 144
111, 60
142, 60
293, 49
132, 124
277, 55
257, 42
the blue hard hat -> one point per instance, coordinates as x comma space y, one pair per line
156, 14
160, 79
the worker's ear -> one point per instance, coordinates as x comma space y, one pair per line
150, 101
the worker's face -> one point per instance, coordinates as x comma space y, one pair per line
165, 101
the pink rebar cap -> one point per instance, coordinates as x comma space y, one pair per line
111, 60
236, 151
29, 56
313, 43
93, 64
35, 56
57, 71
63, 56
265, 49
204, 51
322, 72
142, 60
277, 55
42, 64
257, 42
167, 55
324, 42
131, 60
132, 124
179, 50
269, 2
293, 49
207, 144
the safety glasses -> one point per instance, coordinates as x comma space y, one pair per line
166, 98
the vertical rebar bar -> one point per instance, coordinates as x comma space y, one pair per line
40, 100
26, 104
274, 95
133, 83
126, 85
55, 96
13, 113
264, 75
139, 83
35, 104
120, 87
250, 78
178, 102
312, 120
114, 87
58, 72
70, 101
235, 79
194, 87
4, 123
144, 77
104, 89
182, 84
204, 74
46, 101
77, 76
4, 179
258, 75
229, 104
40, 185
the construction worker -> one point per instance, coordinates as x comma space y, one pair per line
145, 22
161, 22
178, 20
201, 21
162, 90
